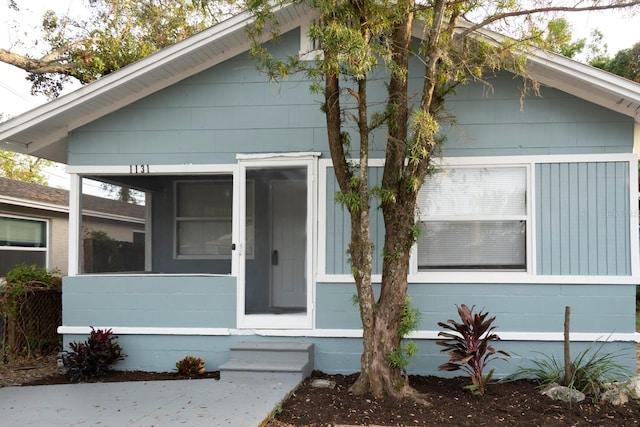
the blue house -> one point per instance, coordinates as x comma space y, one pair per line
534, 207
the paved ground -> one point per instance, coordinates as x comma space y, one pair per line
145, 404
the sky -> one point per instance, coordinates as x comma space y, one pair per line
620, 31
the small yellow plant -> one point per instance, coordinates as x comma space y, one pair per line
191, 366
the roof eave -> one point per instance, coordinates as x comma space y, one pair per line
52, 145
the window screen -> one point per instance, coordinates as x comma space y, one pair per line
473, 218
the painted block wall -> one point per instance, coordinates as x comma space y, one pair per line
518, 307
209, 302
149, 301
159, 353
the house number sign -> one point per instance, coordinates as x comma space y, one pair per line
133, 169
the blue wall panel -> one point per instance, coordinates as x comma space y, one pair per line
339, 227
150, 301
232, 108
160, 353
582, 218
519, 307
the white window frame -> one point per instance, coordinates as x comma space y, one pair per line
232, 218
487, 276
281, 322
76, 173
177, 219
47, 236
526, 217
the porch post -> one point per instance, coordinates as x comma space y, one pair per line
75, 224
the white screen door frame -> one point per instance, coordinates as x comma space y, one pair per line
299, 319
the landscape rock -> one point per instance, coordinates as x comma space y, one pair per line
634, 386
320, 383
620, 393
564, 394
616, 395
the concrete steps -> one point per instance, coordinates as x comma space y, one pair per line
249, 359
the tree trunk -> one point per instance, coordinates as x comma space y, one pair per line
381, 329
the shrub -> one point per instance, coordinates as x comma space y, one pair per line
94, 357
191, 366
469, 346
30, 306
592, 369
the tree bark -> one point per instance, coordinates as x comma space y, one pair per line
568, 366
381, 333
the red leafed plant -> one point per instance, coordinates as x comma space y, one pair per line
94, 357
468, 346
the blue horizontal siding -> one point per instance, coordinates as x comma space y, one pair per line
582, 218
496, 120
150, 301
181, 301
518, 307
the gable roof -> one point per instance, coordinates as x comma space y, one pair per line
43, 131
19, 193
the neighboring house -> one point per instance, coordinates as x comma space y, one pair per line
535, 209
34, 224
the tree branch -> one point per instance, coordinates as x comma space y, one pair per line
36, 66
502, 16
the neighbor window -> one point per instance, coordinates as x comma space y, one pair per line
473, 218
22, 240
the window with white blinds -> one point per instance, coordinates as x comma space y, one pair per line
473, 218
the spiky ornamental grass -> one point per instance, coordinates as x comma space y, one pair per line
591, 369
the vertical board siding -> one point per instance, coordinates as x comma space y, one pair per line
339, 227
582, 218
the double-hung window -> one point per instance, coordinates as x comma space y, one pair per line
473, 218
204, 218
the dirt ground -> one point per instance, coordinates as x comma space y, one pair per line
514, 404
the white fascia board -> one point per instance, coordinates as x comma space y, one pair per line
65, 209
114, 217
150, 169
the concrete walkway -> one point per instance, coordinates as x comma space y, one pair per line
155, 403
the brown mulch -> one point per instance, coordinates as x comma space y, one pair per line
514, 403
